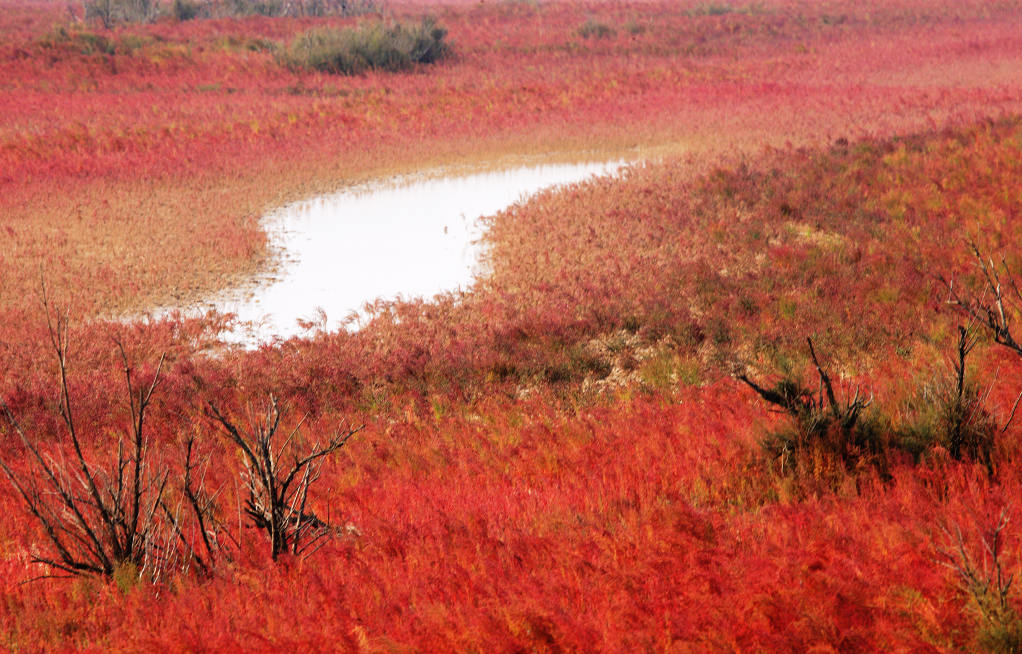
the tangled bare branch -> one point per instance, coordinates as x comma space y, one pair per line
97, 517
996, 304
278, 492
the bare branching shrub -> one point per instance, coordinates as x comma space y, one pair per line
820, 425
993, 306
352, 51
194, 515
996, 304
987, 585
279, 469
101, 514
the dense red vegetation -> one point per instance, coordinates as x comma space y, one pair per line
558, 458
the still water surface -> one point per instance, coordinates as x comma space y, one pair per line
409, 238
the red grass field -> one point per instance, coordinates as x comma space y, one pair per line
561, 457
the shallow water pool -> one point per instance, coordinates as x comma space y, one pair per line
408, 238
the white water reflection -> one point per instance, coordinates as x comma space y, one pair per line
410, 239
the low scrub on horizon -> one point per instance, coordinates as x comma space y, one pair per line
352, 51
109, 13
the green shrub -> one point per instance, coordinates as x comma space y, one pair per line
950, 412
823, 434
711, 9
353, 51
83, 41
634, 27
957, 422
185, 10
821, 438
592, 29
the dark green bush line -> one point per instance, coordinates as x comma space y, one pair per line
353, 51
592, 29
111, 12
85, 42
190, 9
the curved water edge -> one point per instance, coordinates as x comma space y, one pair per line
408, 237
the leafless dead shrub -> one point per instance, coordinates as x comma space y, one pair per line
102, 517
279, 470
995, 304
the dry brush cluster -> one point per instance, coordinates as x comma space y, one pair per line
122, 504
